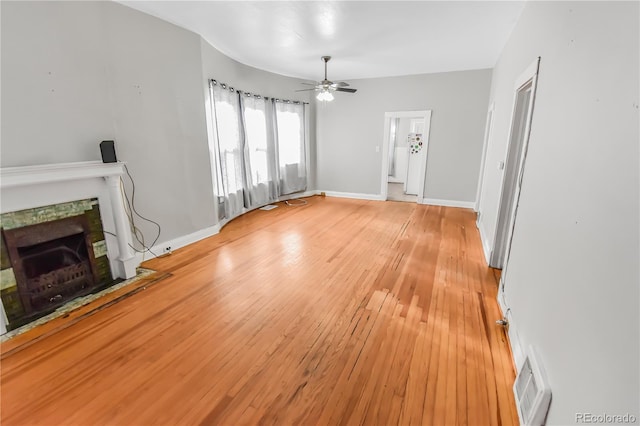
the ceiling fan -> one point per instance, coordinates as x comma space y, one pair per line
326, 87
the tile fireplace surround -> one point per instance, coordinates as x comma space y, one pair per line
32, 187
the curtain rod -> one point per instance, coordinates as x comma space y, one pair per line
255, 95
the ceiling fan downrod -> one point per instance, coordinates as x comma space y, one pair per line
325, 59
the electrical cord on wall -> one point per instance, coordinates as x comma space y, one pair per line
135, 231
146, 249
130, 210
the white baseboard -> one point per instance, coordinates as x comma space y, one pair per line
355, 195
176, 243
299, 195
486, 246
447, 203
514, 340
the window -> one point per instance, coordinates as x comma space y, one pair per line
259, 147
256, 135
228, 146
290, 123
260, 153
229, 137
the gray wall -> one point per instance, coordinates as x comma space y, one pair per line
350, 128
572, 279
76, 73
55, 83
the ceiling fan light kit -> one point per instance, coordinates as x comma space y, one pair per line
325, 95
326, 87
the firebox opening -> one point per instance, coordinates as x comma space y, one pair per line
56, 271
53, 263
46, 257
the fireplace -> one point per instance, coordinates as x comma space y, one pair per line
53, 262
65, 233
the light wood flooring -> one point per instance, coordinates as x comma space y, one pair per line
340, 312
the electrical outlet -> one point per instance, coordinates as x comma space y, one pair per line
167, 249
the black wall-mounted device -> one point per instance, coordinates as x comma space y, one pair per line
108, 151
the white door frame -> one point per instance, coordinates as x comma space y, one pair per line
388, 116
530, 76
487, 135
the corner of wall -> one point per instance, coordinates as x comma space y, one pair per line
486, 245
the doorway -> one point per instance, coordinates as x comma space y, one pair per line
514, 165
405, 143
487, 136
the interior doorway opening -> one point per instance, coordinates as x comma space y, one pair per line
405, 144
514, 167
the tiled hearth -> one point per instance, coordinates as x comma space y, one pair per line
64, 235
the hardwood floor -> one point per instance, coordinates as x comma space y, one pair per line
340, 312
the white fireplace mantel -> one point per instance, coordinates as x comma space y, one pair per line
45, 173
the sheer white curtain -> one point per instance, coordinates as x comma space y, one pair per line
290, 142
258, 146
259, 151
228, 138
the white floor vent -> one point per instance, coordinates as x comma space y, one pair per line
532, 391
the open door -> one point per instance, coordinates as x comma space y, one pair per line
404, 159
514, 165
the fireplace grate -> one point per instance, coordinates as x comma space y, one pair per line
60, 285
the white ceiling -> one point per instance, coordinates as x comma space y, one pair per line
366, 39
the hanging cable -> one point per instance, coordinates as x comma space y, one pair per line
134, 248
135, 231
300, 203
131, 210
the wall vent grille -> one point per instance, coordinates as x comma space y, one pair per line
531, 391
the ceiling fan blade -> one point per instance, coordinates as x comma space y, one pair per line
305, 90
327, 85
310, 84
